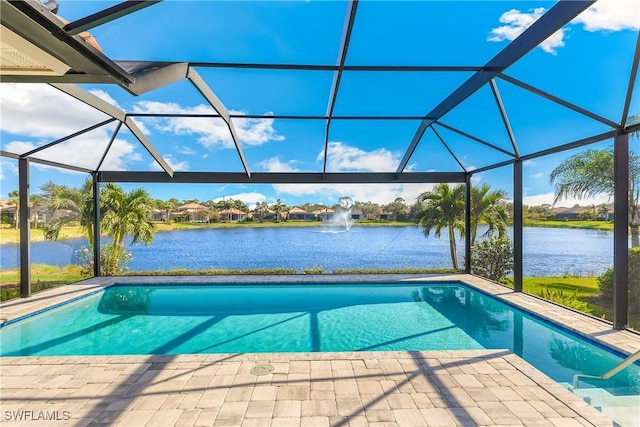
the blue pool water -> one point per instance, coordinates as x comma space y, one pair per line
182, 319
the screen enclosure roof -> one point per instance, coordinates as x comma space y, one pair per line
309, 92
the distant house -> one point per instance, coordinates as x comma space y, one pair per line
356, 214
232, 215
191, 212
298, 214
324, 214
389, 216
39, 214
158, 215
569, 214
191, 207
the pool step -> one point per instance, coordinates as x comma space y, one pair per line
623, 408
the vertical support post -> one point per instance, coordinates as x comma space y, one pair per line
25, 227
467, 224
96, 225
517, 225
621, 231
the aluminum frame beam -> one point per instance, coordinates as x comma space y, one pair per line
151, 78
504, 116
90, 99
46, 162
108, 109
107, 15
24, 184
554, 19
467, 223
442, 141
621, 231
135, 130
474, 138
518, 225
632, 81
66, 138
558, 100
282, 177
352, 8
276, 116
96, 226
106, 151
217, 105
323, 67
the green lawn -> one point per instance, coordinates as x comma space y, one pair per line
590, 225
42, 277
585, 288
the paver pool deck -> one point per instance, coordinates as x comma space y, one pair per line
439, 388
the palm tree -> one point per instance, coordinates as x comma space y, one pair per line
261, 210
488, 207
441, 208
127, 214
69, 205
279, 207
590, 173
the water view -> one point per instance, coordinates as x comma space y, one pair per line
548, 251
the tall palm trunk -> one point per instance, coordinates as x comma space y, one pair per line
452, 247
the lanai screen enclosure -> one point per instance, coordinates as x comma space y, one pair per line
422, 70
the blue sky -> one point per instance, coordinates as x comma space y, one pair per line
588, 63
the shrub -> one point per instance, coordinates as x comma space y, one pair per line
605, 281
568, 300
492, 258
313, 270
113, 260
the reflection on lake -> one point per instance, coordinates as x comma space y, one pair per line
547, 251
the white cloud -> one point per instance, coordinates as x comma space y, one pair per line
529, 163
547, 198
211, 131
342, 157
186, 150
274, 164
611, 15
175, 164
39, 110
538, 175
516, 22
42, 112
8, 166
104, 96
74, 152
120, 155
604, 15
18, 147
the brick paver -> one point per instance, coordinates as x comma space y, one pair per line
237, 403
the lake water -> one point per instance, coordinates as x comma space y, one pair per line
547, 251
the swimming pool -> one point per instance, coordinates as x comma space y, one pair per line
182, 319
